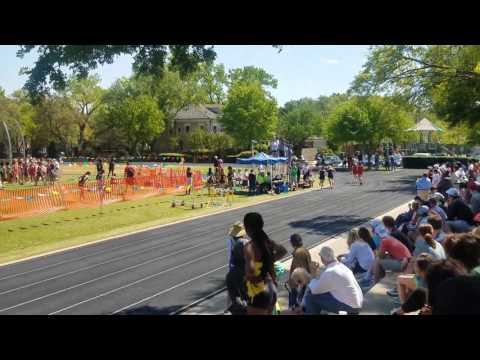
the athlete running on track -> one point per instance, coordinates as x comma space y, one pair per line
330, 172
321, 174
355, 172
360, 173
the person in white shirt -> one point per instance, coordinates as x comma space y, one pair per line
335, 290
436, 177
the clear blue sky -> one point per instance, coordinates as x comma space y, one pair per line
301, 71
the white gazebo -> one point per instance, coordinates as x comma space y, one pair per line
426, 129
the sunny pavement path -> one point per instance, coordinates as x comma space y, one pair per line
162, 270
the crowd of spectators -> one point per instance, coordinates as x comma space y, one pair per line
29, 171
432, 250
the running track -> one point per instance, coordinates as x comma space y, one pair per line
162, 270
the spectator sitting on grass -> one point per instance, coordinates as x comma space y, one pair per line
423, 186
465, 250
475, 198
392, 255
438, 273
437, 225
460, 216
412, 288
300, 259
434, 207
389, 224
366, 236
299, 279
445, 184
378, 232
360, 258
426, 244
335, 290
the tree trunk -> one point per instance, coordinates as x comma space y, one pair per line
81, 138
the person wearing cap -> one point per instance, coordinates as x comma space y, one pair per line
432, 203
236, 234
235, 283
423, 186
460, 216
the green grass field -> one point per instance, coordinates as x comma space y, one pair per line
30, 236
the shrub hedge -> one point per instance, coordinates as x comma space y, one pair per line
421, 162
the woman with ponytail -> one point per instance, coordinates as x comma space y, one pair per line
259, 268
426, 244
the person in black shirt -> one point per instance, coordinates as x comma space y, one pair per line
99, 165
321, 174
444, 184
252, 183
389, 224
111, 167
460, 216
331, 181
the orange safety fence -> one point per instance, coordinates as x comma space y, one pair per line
43, 199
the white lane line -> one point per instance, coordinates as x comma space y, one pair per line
76, 259
103, 263
167, 290
132, 283
108, 275
137, 242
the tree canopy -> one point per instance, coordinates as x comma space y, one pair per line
369, 121
298, 121
249, 114
253, 74
54, 61
443, 78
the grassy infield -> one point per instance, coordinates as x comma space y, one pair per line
30, 236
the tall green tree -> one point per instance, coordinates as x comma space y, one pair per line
253, 74
249, 114
135, 117
86, 96
443, 78
369, 121
56, 124
298, 121
197, 141
219, 142
212, 80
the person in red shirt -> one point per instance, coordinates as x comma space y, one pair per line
392, 255
360, 173
355, 172
129, 175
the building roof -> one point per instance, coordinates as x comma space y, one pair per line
199, 112
424, 125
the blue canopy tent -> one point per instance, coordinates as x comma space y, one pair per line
263, 159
